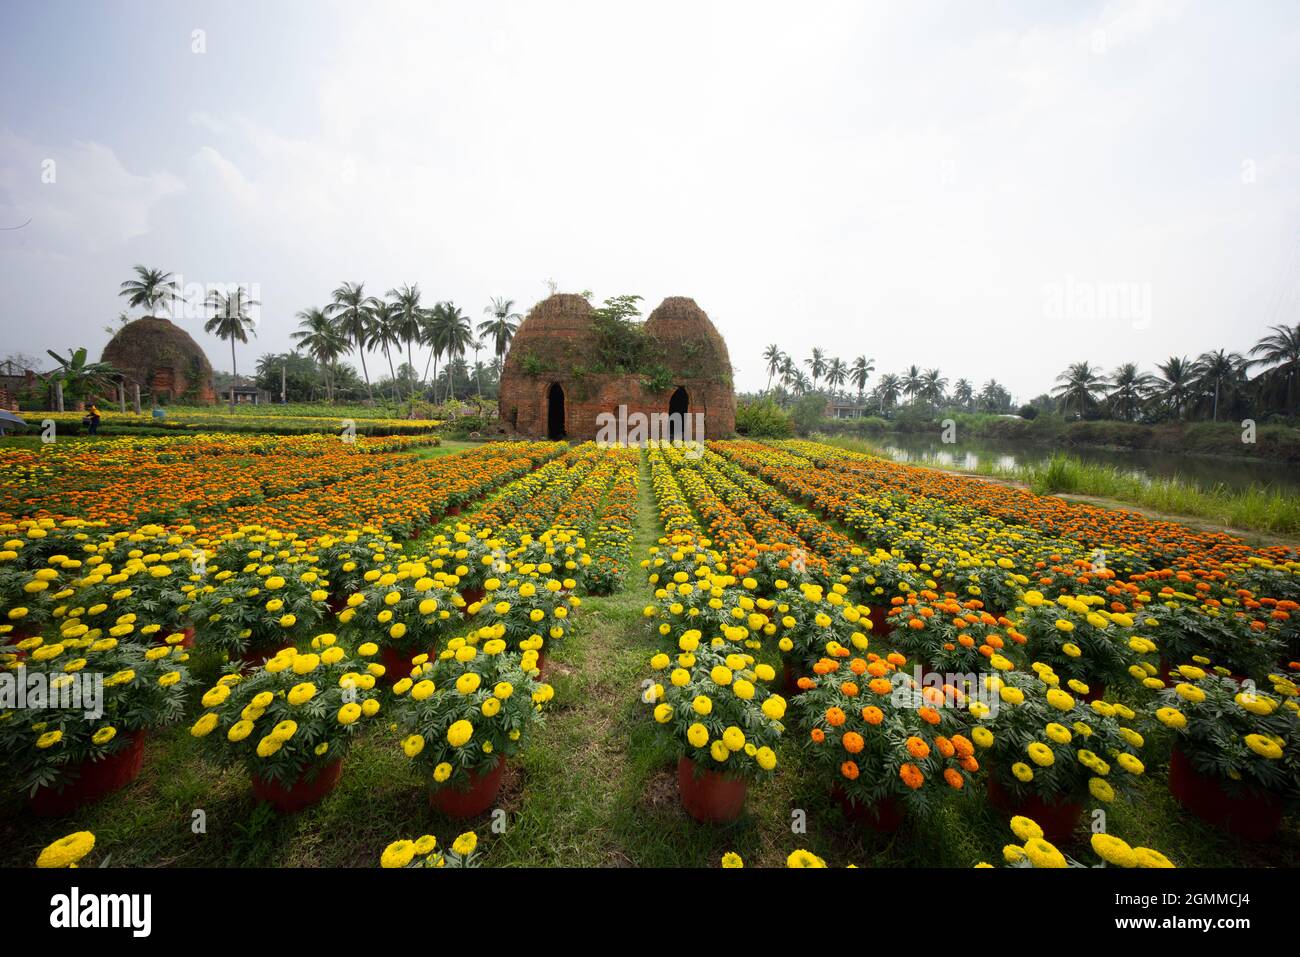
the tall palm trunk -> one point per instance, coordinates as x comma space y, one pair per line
234, 372
366, 372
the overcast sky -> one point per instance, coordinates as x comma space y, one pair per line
995, 189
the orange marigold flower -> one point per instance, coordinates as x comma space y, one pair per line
928, 715
849, 770
880, 685
911, 776
853, 742
818, 735
954, 778
945, 746
917, 748
850, 689
835, 716
872, 715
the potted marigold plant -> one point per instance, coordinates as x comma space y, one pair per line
813, 619
1236, 756
88, 703
425, 852
886, 746
291, 721
405, 612
723, 721
462, 716
468, 559
248, 614
1079, 638
527, 613
1053, 751
1035, 851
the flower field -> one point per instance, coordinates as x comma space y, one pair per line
542, 654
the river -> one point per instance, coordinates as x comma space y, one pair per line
1203, 470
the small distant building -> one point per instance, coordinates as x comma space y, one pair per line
244, 395
845, 409
14, 379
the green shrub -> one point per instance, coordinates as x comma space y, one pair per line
763, 419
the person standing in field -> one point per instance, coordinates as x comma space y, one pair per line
92, 420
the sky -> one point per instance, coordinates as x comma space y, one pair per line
995, 189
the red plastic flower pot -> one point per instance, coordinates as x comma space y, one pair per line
789, 681
188, 640
472, 801
1096, 691
313, 785
1252, 817
94, 780
1058, 819
253, 658
880, 624
397, 664
453, 510
472, 595
884, 816
707, 796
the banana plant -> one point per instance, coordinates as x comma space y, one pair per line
79, 377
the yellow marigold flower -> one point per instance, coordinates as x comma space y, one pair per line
697, 735
204, 726
67, 851
1112, 850
397, 854
732, 860
459, 733
1025, 828
465, 844
1040, 754
413, 744
803, 858
349, 713
1043, 853
1264, 747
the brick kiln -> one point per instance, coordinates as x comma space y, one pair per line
556, 380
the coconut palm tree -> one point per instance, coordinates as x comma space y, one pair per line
1079, 385
351, 310
1129, 389
1218, 373
149, 289
458, 338
230, 320
383, 333
963, 394
816, 364
773, 357
322, 340
888, 390
1281, 352
933, 385
837, 373
859, 372
912, 383
788, 371
993, 397
406, 301
500, 327
1174, 387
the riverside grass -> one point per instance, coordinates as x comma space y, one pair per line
1258, 508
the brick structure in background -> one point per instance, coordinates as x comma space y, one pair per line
549, 388
163, 359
